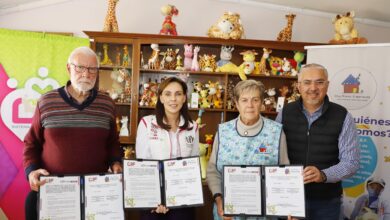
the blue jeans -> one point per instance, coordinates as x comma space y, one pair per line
325, 209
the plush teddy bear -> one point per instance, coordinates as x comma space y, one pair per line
345, 32
227, 27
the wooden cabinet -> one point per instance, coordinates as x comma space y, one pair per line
140, 51
138, 71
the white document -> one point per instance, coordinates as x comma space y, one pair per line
183, 182
194, 100
60, 197
242, 190
142, 184
103, 197
285, 194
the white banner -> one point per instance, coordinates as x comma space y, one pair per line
359, 78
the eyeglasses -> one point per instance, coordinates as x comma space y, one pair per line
319, 83
81, 69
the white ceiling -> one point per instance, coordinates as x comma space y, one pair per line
366, 11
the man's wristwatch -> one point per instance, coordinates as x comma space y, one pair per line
323, 176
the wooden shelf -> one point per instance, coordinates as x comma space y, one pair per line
105, 67
184, 71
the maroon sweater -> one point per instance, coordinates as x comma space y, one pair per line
70, 138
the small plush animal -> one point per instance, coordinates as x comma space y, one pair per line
168, 27
170, 58
345, 32
286, 33
263, 62
187, 56
154, 61
195, 63
227, 27
207, 63
276, 65
248, 66
224, 64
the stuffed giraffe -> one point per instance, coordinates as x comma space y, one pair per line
111, 24
286, 33
263, 64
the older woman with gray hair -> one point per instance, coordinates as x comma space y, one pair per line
249, 139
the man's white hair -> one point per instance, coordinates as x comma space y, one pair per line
313, 66
83, 50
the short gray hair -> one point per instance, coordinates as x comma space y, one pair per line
313, 66
246, 85
85, 51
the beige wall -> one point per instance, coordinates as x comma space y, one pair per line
195, 17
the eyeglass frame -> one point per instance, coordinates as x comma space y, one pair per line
319, 82
82, 69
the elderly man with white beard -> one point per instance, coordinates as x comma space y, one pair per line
73, 129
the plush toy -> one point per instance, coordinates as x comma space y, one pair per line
195, 63
169, 60
276, 65
248, 66
270, 101
295, 93
207, 63
227, 27
116, 85
168, 27
110, 23
212, 97
203, 101
187, 56
224, 64
217, 100
299, 57
149, 95
286, 33
154, 61
345, 32
230, 102
262, 64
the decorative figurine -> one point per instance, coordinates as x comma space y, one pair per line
110, 23
187, 56
168, 27
128, 152
106, 59
117, 56
262, 64
276, 65
224, 64
248, 66
124, 130
286, 33
227, 27
284, 91
199, 119
179, 63
209, 142
295, 93
154, 62
195, 63
270, 101
345, 32
126, 57
169, 59
207, 63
